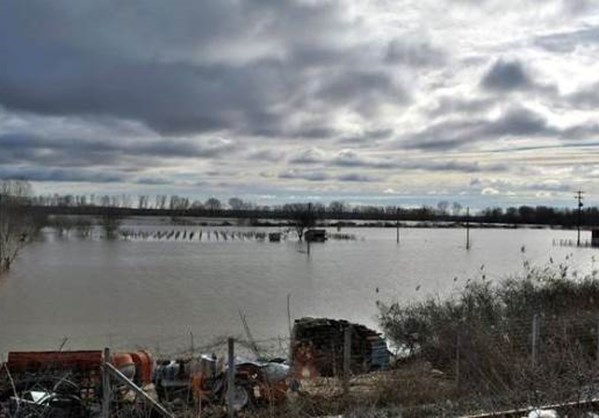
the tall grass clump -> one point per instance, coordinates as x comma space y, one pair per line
483, 336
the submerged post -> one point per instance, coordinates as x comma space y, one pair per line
231, 379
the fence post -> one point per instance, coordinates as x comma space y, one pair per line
457, 359
346, 359
231, 378
535, 339
106, 385
597, 355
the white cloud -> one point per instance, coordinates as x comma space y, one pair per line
362, 98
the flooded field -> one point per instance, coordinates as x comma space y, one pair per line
156, 293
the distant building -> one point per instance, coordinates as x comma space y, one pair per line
315, 235
595, 238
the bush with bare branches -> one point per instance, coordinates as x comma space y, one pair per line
18, 225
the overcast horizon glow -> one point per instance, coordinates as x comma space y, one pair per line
488, 102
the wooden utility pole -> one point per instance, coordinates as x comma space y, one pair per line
397, 224
468, 228
579, 196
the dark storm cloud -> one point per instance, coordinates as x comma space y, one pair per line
555, 186
456, 166
154, 180
362, 90
352, 159
268, 155
358, 178
421, 165
33, 149
164, 65
369, 137
449, 105
304, 175
586, 97
506, 76
308, 156
60, 175
318, 176
416, 53
516, 122
567, 41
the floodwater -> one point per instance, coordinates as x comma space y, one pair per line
165, 294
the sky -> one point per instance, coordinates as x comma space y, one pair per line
484, 102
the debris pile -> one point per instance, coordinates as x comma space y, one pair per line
317, 348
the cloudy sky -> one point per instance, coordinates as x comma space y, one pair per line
374, 101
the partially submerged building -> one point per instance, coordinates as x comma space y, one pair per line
315, 235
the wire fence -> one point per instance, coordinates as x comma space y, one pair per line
528, 362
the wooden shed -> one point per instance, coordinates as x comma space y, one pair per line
318, 343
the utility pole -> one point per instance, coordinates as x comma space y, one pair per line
397, 224
468, 228
579, 196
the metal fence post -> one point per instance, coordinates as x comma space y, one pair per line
231, 378
106, 385
457, 359
597, 337
535, 339
346, 359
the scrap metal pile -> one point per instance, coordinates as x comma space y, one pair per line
71, 383
65, 383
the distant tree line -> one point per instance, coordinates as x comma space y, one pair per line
236, 207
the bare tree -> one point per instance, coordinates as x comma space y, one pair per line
142, 201
236, 203
161, 201
442, 206
110, 225
456, 208
17, 225
302, 216
336, 207
213, 204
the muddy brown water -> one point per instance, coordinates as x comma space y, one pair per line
157, 293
